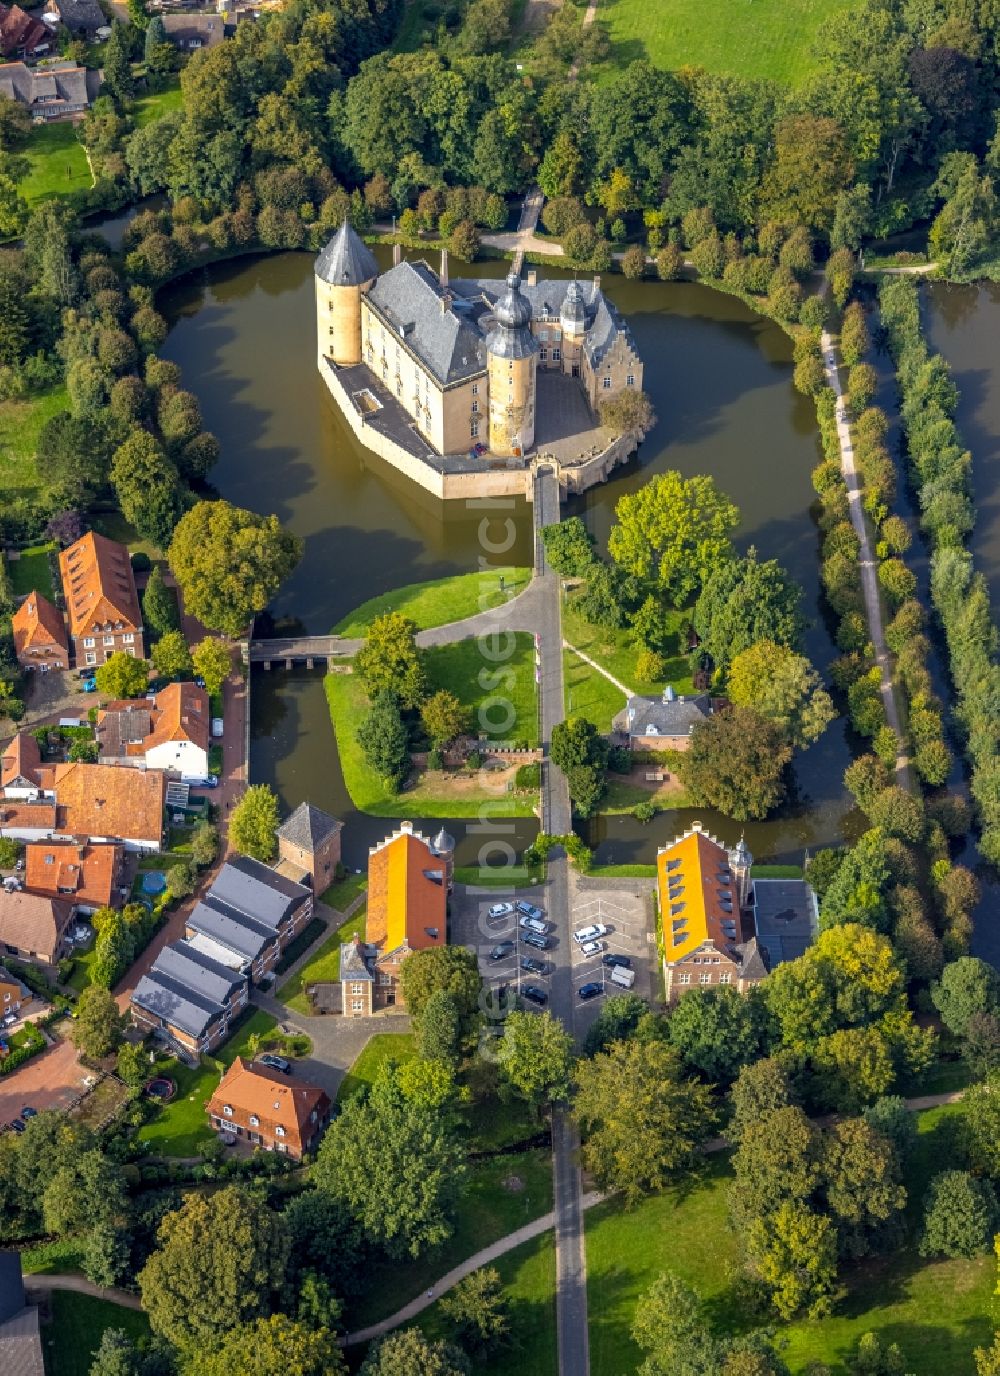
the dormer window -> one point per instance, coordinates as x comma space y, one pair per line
227, 1110
279, 1131
254, 1121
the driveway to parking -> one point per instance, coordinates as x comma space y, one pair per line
52, 1079
625, 908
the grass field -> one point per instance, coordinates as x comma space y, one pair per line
342, 894
588, 693
78, 1323
30, 572
937, 1311
58, 163
616, 650
384, 1046
438, 602
455, 667
20, 423
53, 1258
160, 103
324, 966
749, 38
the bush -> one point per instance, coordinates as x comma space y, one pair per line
435, 759
528, 777
959, 1216
634, 262
644, 811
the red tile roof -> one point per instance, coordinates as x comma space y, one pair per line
21, 33
99, 586
275, 1100
21, 759
39, 630
83, 873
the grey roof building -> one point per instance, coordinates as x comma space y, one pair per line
309, 827
188, 992
346, 261
52, 90
511, 335
438, 326
192, 31
237, 933
247, 907
80, 16
20, 1340
670, 715
785, 917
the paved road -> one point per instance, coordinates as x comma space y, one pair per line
869, 566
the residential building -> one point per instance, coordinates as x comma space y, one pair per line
169, 732
40, 635
268, 1109
717, 927
83, 18
189, 32
88, 876
248, 916
103, 605
20, 1339
22, 36
408, 881
309, 847
14, 995
20, 767
51, 91
189, 998
33, 926
663, 723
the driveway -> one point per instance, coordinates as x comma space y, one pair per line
53, 1079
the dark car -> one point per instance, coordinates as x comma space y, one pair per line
611, 961
540, 943
29, 1112
530, 992
501, 950
589, 991
18, 1125
276, 1063
533, 966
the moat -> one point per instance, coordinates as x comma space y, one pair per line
720, 379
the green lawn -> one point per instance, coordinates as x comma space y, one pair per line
498, 1195
324, 966
181, 1128
478, 877
623, 871
58, 163
616, 650
509, 712
82, 966
78, 1322
440, 601
53, 1258
588, 693
937, 1311
20, 423
384, 1046
450, 795
148, 108
749, 38
342, 894
31, 572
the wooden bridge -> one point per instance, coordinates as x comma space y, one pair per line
303, 649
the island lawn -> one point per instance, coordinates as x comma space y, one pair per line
615, 650
440, 601
452, 793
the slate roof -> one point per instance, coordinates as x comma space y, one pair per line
12, 1299
243, 935
249, 887
308, 827
206, 977
663, 716
754, 963
21, 1345
440, 327
785, 918
346, 261
177, 1003
83, 16
354, 958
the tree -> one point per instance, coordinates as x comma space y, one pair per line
106, 1254
671, 1329
872, 1359
535, 1055
618, 1019
84, 1193
219, 1257
97, 1029
793, 1252
72, 455
963, 227
15, 125
968, 987
171, 656
393, 1163
718, 1031
960, 1216
634, 262
229, 563
783, 687
385, 741
253, 825
204, 843
736, 762
159, 604
811, 167
389, 661
463, 241
148, 487
274, 1346
114, 949
569, 547
582, 754
212, 660
439, 1029
673, 531
133, 1066
118, 65
180, 880
861, 1184
444, 717
117, 1355
744, 601
479, 1311
761, 1088
452, 970
122, 676
158, 51
642, 1121
407, 1350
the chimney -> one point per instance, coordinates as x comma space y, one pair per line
597, 282
397, 255
531, 279
443, 274
445, 302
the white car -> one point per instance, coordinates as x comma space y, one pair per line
592, 948
500, 910
584, 934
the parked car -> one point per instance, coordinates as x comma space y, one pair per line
612, 959
8, 1020
211, 782
88, 685
592, 948
533, 924
585, 934
589, 991
536, 939
217, 727
29, 1112
623, 977
18, 1125
531, 992
502, 950
529, 910
500, 910
276, 1063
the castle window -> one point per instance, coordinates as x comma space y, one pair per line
474, 429
543, 355
630, 381
556, 355
607, 384
475, 389
705, 978
726, 978
475, 406
683, 979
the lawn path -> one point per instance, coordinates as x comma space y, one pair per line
594, 665
82, 1286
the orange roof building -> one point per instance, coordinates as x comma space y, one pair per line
87, 875
33, 926
103, 605
108, 804
268, 1109
40, 640
170, 732
20, 767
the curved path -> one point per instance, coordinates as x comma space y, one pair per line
82, 1286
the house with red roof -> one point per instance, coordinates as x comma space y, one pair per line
40, 640
267, 1109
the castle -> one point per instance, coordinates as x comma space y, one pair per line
469, 370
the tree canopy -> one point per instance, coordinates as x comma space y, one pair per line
253, 825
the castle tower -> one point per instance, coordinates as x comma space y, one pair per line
443, 847
344, 270
511, 357
740, 861
573, 322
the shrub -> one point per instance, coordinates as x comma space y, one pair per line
634, 262
959, 1216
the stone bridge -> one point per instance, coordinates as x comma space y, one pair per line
300, 649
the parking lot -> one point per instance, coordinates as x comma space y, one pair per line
626, 912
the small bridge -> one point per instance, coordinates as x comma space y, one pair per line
302, 649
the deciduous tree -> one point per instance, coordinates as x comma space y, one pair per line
389, 661
253, 825
479, 1312
736, 762
407, 1350
171, 656
213, 661
122, 676
745, 601
535, 1055
444, 717
274, 1346
783, 686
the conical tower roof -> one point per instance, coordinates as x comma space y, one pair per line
573, 312
512, 337
346, 261
443, 842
